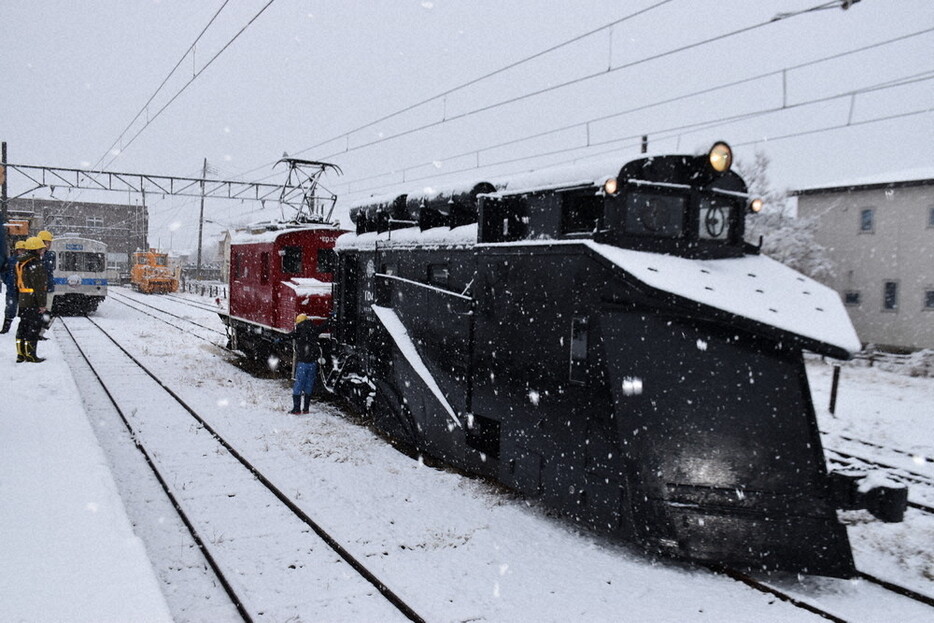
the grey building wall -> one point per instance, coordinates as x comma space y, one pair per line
123, 228
881, 240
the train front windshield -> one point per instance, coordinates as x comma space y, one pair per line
655, 214
689, 216
82, 261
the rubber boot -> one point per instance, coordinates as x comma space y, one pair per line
306, 402
20, 355
296, 399
6, 325
31, 356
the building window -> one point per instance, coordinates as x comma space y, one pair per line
94, 222
852, 298
929, 300
931, 218
867, 221
890, 296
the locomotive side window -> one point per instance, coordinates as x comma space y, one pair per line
578, 372
581, 213
438, 274
236, 265
264, 267
291, 260
327, 260
717, 215
384, 286
655, 214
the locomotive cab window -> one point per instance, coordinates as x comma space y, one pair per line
581, 213
291, 260
716, 219
655, 214
327, 260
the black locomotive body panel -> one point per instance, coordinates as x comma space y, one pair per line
613, 348
559, 376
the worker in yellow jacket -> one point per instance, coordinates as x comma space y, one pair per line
32, 282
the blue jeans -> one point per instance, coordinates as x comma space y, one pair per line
305, 374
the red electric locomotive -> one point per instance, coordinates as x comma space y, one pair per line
281, 269
274, 276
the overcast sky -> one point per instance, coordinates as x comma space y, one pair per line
305, 75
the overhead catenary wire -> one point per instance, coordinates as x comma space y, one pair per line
476, 80
708, 124
161, 85
195, 76
98, 165
655, 104
572, 82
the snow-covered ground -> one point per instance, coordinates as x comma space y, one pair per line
455, 547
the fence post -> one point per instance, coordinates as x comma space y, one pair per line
833, 389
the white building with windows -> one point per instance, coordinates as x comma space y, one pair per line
880, 236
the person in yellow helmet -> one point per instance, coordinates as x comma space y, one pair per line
307, 351
48, 259
8, 273
31, 281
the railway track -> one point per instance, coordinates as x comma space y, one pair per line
804, 601
142, 306
260, 543
195, 303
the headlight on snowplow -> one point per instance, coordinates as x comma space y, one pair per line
720, 157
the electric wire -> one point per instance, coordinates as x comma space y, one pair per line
195, 77
669, 132
579, 79
159, 88
476, 80
658, 103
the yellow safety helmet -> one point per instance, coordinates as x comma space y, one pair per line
20, 244
45, 235
301, 318
33, 244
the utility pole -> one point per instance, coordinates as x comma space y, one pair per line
204, 172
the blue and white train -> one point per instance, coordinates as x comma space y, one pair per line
80, 275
